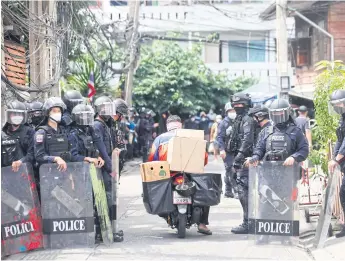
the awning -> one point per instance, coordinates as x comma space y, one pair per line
308, 95
262, 92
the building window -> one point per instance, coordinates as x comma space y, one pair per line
118, 3
247, 51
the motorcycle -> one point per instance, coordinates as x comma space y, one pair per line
186, 214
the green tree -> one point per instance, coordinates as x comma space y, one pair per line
172, 78
330, 78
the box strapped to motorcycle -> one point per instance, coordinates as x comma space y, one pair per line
67, 206
21, 223
273, 203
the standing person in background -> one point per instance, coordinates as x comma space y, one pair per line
213, 136
204, 125
191, 123
302, 121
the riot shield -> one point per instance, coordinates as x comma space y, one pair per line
327, 208
113, 208
67, 206
101, 204
273, 203
21, 223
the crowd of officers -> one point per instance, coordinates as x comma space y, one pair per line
68, 130
64, 130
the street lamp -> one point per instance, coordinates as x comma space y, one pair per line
284, 86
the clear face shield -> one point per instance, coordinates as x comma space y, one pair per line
336, 107
16, 117
84, 118
107, 109
279, 115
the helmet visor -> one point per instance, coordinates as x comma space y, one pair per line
85, 118
336, 107
75, 102
107, 108
280, 115
16, 117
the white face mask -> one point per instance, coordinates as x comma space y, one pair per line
55, 117
232, 115
16, 120
218, 120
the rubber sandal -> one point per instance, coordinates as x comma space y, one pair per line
205, 232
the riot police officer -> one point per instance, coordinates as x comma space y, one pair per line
260, 114
146, 133
337, 100
283, 141
35, 113
16, 137
70, 98
241, 144
51, 140
223, 138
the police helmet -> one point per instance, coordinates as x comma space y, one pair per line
83, 114
72, 98
16, 113
302, 109
280, 111
51, 103
228, 107
241, 98
104, 105
337, 101
121, 106
35, 112
259, 111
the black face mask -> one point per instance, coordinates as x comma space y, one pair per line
239, 110
36, 120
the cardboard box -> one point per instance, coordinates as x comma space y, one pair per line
185, 133
155, 170
186, 154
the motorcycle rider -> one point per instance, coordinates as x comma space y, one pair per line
71, 98
16, 137
337, 101
35, 114
223, 138
283, 141
241, 144
51, 140
159, 152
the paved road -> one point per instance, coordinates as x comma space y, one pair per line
148, 237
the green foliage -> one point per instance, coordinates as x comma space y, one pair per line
83, 66
171, 78
331, 78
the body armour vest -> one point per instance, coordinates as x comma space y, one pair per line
56, 143
11, 150
279, 145
88, 149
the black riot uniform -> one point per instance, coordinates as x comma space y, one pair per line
16, 137
278, 143
260, 114
71, 99
145, 132
241, 144
337, 101
35, 114
49, 142
223, 140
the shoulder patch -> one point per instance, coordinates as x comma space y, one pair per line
246, 124
39, 138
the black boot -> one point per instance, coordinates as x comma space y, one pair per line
117, 237
241, 229
229, 194
341, 233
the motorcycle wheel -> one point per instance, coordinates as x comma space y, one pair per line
181, 228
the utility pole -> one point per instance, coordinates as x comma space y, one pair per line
282, 48
132, 46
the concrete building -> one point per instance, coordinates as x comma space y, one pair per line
245, 44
